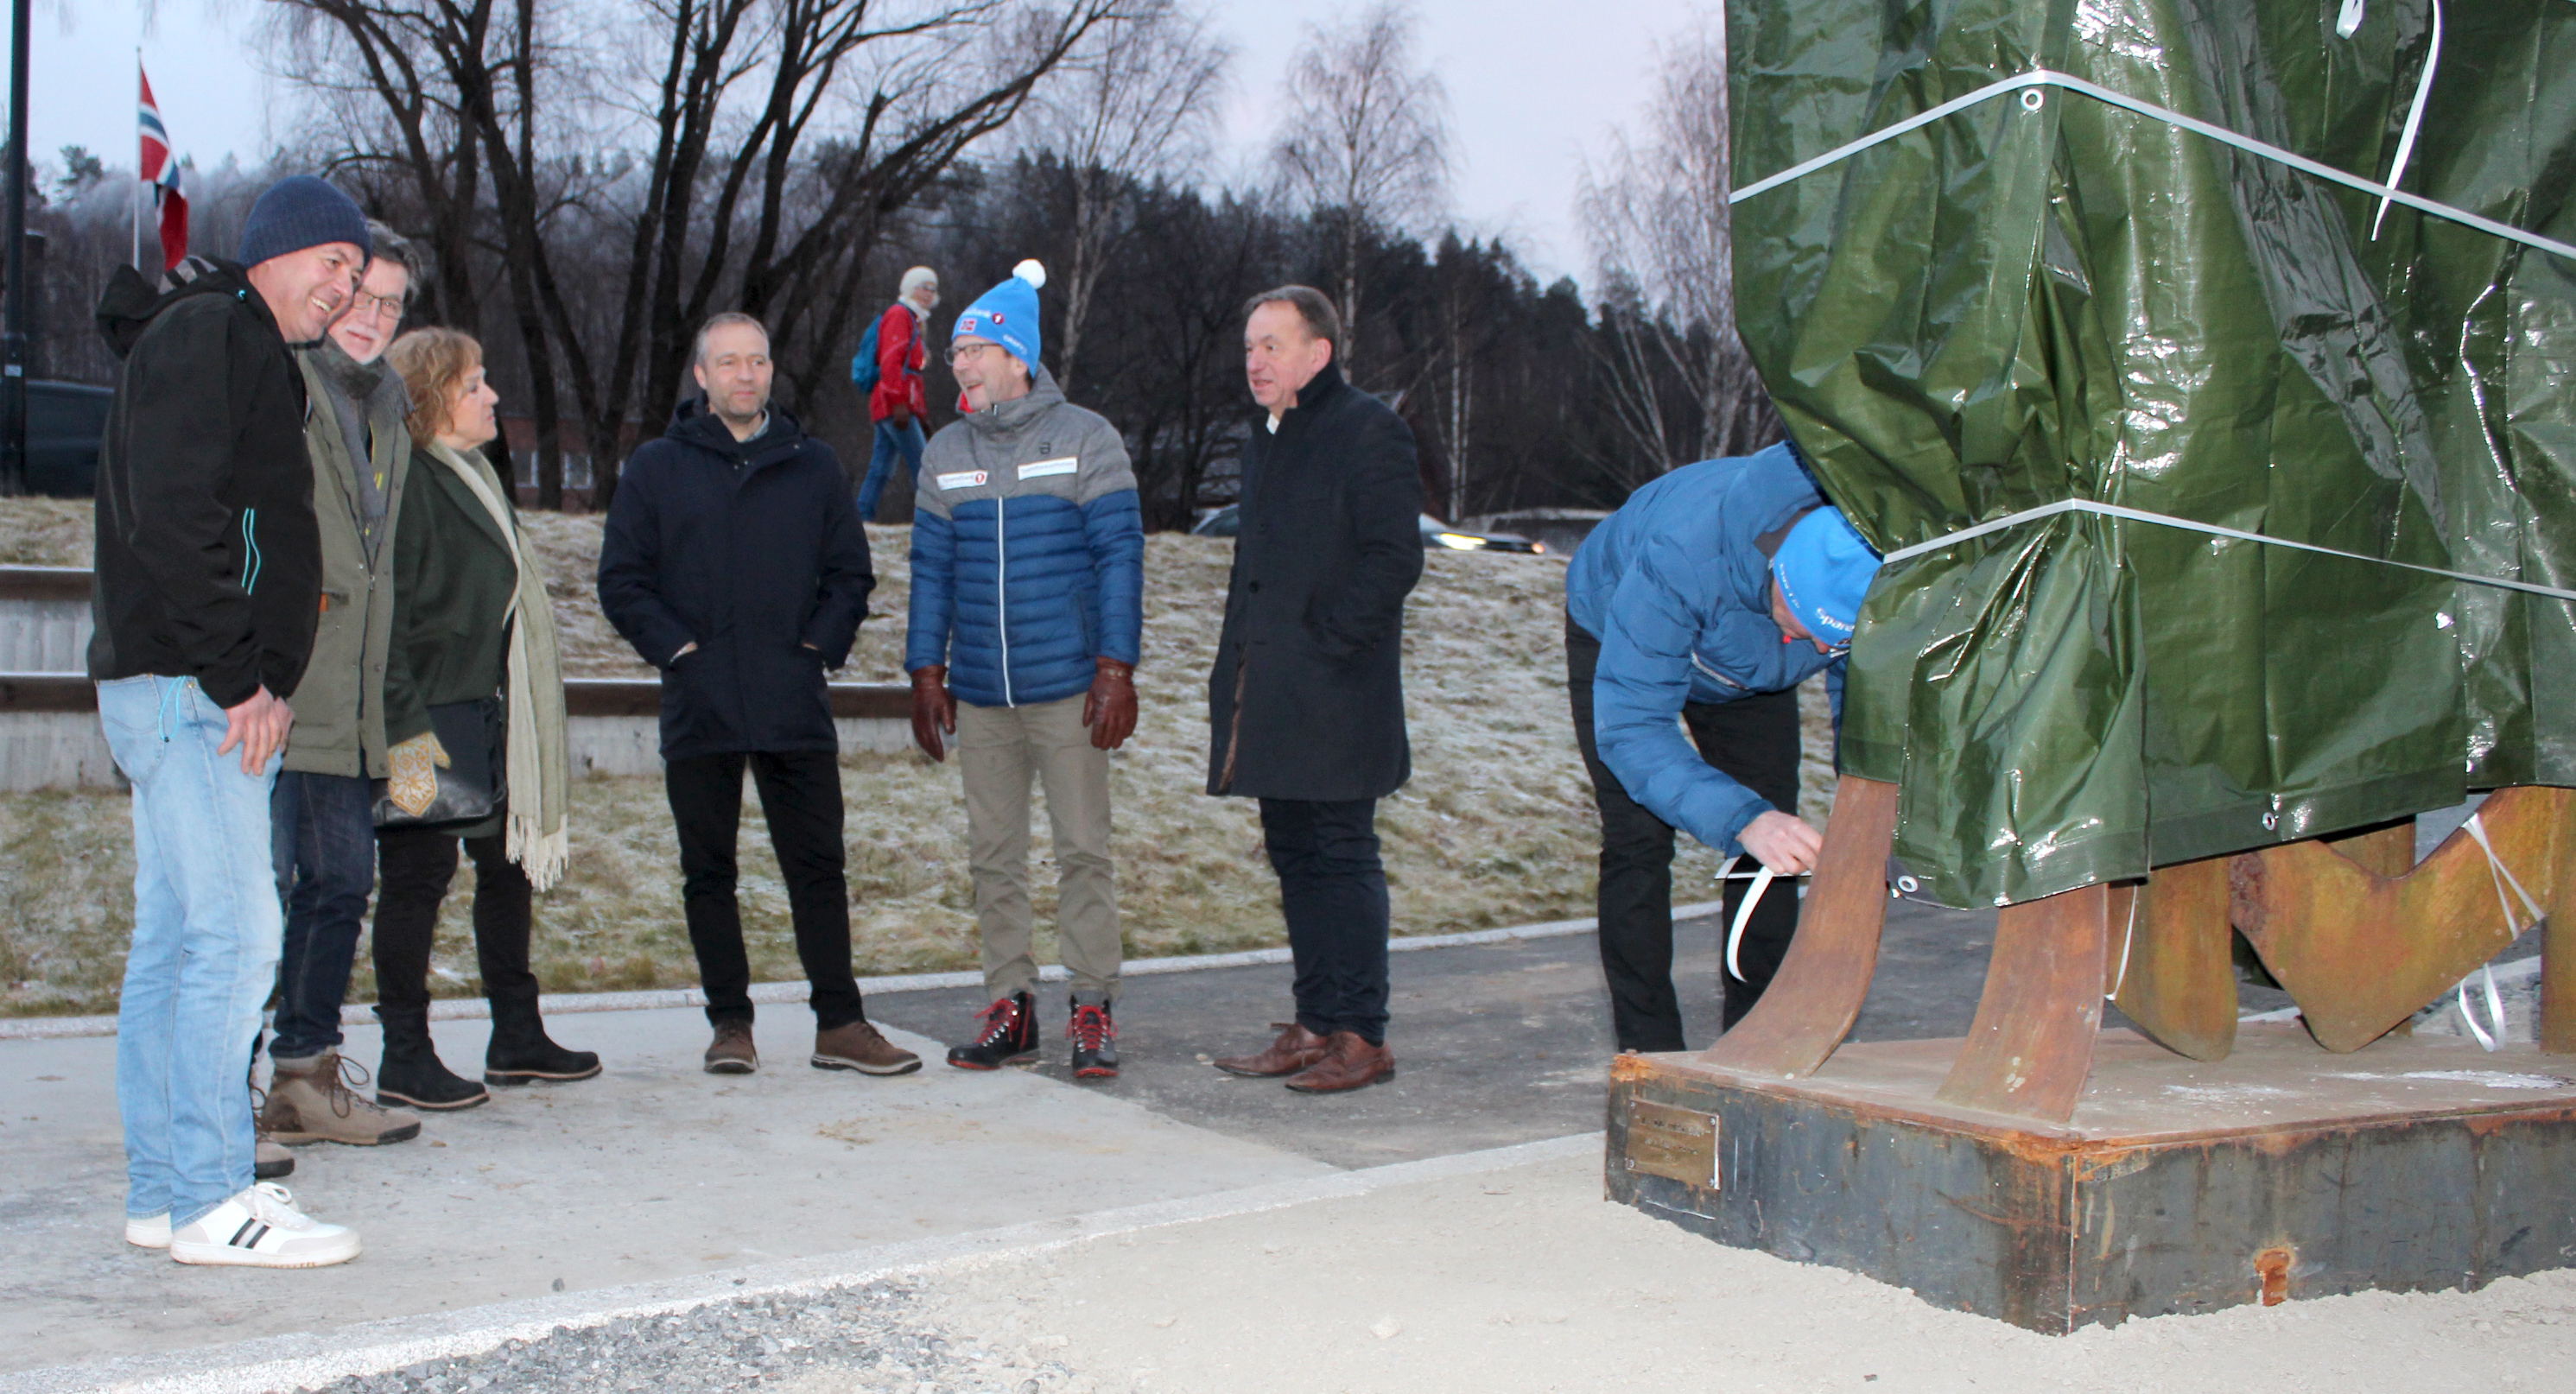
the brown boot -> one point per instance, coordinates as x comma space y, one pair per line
1349, 1063
732, 1052
1295, 1049
861, 1047
309, 1101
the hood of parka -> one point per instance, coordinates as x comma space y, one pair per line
694, 424
130, 303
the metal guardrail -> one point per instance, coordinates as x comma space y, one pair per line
851, 701
44, 583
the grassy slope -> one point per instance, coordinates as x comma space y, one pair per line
1496, 828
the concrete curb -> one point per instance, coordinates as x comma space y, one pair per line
36, 1028
302, 1361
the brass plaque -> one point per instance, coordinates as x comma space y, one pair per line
1672, 1142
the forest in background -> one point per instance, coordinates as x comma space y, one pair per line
591, 178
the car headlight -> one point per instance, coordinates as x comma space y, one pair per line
1459, 542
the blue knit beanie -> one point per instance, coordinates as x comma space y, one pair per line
301, 211
1007, 315
1823, 569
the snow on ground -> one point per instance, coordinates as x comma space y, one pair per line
1496, 827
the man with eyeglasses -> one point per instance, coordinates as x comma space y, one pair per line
1701, 605
322, 809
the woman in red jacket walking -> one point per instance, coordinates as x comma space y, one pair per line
898, 402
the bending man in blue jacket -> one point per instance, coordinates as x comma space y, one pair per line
1028, 579
1703, 603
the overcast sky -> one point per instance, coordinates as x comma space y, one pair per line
1531, 90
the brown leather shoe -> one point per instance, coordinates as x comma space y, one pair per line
1295, 1049
732, 1052
1349, 1063
859, 1046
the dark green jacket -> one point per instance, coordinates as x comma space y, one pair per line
454, 573
339, 707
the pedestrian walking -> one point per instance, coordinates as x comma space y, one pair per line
323, 809
889, 369
1028, 581
1701, 605
206, 589
734, 562
473, 657
1306, 702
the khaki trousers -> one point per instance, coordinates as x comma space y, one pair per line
998, 750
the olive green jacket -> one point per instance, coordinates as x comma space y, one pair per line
339, 706
456, 571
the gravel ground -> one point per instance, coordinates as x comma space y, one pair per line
842, 1340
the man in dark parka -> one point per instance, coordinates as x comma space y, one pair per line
734, 562
1306, 704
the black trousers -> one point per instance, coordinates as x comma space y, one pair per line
800, 795
415, 867
1332, 888
1752, 739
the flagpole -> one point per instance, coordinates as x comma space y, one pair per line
13, 321
134, 203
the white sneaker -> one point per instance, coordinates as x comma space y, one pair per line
261, 1228
148, 1231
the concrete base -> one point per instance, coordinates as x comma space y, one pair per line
2283, 1171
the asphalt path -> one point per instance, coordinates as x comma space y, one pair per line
1495, 1044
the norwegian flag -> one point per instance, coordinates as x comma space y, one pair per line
162, 173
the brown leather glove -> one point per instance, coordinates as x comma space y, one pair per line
933, 710
1110, 709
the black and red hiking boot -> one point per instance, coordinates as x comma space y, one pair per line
1095, 1041
1004, 1032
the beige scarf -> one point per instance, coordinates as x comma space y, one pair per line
537, 834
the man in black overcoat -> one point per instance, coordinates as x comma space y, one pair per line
1306, 705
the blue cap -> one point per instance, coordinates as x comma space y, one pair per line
1007, 315
301, 211
1823, 569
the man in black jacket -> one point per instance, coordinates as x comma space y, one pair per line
206, 587
1306, 704
735, 563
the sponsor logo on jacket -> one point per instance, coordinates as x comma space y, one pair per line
964, 479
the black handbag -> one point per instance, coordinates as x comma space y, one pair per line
474, 785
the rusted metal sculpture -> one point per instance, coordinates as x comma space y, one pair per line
2358, 936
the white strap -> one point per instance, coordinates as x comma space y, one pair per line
2502, 876
2140, 515
2043, 77
2128, 940
2495, 1012
2414, 112
1744, 912
2349, 20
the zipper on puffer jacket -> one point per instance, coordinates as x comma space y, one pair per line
1002, 589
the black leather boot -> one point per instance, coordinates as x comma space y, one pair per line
521, 1051
411, 1074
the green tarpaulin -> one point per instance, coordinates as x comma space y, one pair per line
2046, 296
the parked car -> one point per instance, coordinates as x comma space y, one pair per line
1225, 522
66, 421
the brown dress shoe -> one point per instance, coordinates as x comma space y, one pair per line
1349, 1063
859, 1046
1295, 1049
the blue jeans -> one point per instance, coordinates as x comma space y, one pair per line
892, 440
324, 850
204, 956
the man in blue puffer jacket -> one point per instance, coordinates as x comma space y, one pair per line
1028, 579
1702, 604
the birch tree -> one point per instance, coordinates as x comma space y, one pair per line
1364, 139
